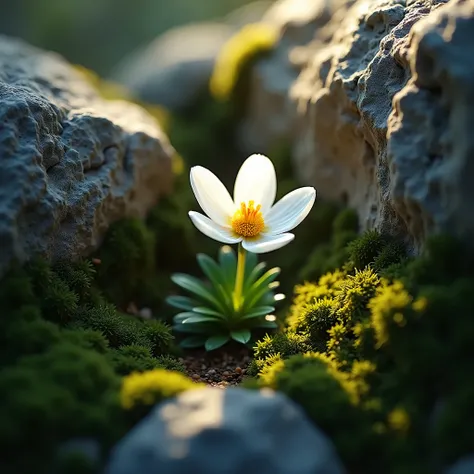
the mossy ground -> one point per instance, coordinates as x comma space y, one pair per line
64, 348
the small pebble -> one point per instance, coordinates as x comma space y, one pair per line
96, 261
226, 373
238, 370
211, 372
196, 376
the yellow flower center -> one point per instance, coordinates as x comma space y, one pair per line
248, 220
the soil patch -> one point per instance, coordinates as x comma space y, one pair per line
220, 368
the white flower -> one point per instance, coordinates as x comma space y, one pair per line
251, 217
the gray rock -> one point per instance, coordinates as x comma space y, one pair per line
385, 115
232, 431
175, 68
464, 466
71, 162
271, 113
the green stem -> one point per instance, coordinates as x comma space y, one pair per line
239, 278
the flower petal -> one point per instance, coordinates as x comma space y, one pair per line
256, 181
267, 243
211, 195
213, 230
290, 210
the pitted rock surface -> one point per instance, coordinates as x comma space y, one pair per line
231, 431
385, 115
71, 162
271, 114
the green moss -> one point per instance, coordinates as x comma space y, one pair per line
119, 329
171, 363
87, 339
354, 293
310, 382
78, 276
16, 291
63, 393
256, 366
392, 254
365, 250
132, 358
159, 335
285, 344
28, 337
315, 320
127, 259
394, 355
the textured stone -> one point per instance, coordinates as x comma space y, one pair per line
71, 162
232, 431
385, 115
175, 68
270, 116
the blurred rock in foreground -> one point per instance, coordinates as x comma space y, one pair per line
236, 431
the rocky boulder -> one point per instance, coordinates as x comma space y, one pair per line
385, 115
71, 162
232, 431
271, 114
175, 68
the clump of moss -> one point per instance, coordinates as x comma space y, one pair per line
310, 381
158, 335
63, 348
354, 293
141, 391
364, 250
132, 358
28, 337
386, 358
87, 339
136, 358
377, 250
315, 320
284, 344
48, 398
127, 260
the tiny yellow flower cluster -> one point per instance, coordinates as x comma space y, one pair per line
307, 293
389, 305
399, 420
251, 40
152, 386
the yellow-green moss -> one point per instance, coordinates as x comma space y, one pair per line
393, 354
141, 391
250, 42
